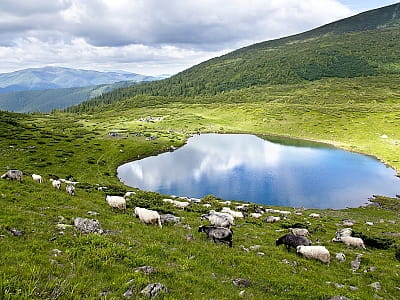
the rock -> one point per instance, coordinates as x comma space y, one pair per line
15, 232
260, 253
92, 213
353, 288
241, 293
241, 282
375, 285
369, 223
129, 293
145, 269
169, 218
189, 237
339, 298
339, 286
153, 289
340, 257
355, 264
255, 247
63, 226
244, 248
88, 226
384, 136
349, 223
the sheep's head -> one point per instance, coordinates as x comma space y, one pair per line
201, 228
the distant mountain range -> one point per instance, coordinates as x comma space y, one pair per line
48, 88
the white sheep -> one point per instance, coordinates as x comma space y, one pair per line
116, 202
223, 214
314, 215
272, 219
55, 183
148, 216
342, 233
168, 200
315, 252
128, 194
217, 220
208, 205
233, 213
256, 215
285, 213
37, 178
353, 241
180, 204
299, 231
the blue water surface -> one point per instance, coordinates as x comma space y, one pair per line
248, 168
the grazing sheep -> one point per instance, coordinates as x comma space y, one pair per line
168, 201
37, 178
128, 194
272, 219
148, 216
314, 215
70, 189
291, 240
353, 241
208, 205
55, 183
316, 252
256, 215
218, 220
342, 233
13, 175
233, 213
220, 234
285, 213
116, 202
299, 231
180, 204
169, 218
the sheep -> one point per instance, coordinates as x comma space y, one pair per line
256, 215
314, 215
291, 240
55, 183
70, 189
223, 214
180, 204
168, 201
316, 252
207, 205
116, 202
233, 213
128, 194
37, 178
272, 219
220, 234
284, 213
148, 216
353, 241
218, 220
299, 231
342, 233
13, 175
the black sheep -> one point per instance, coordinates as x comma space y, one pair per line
220, 234
291, 240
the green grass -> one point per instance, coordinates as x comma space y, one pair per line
352, 114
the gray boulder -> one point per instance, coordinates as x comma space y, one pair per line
88, 225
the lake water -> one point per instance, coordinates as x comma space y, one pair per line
248, 168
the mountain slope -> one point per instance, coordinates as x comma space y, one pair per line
48, 100
363, 45
56, 77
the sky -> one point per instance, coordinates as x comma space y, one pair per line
151, 37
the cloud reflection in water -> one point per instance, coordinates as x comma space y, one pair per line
245, 167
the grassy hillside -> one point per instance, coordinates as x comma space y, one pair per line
49, 262
363, 45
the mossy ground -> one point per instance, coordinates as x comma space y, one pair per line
352, 114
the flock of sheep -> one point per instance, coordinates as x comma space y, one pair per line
221, 223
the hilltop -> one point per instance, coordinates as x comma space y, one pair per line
359, 46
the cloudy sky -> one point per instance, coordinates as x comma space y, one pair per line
151, 36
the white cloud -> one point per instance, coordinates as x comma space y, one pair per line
149, 36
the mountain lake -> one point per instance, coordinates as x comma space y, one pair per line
269, 171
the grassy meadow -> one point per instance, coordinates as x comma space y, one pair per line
53, 262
